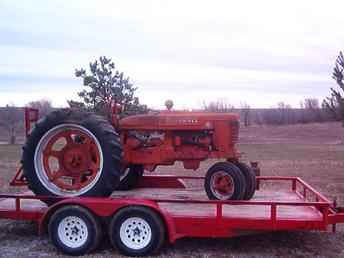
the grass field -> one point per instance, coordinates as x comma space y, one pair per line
314, 152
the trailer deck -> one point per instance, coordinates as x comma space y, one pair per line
296, 206
176, 208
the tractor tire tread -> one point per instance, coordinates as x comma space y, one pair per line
110, 144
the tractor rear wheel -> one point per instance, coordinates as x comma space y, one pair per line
72, 153
225, 181
130, 177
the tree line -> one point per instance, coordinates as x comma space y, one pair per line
105, 85
12, 119
309, 111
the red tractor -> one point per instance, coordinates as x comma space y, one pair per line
74, 153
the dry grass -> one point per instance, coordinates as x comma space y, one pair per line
314, 152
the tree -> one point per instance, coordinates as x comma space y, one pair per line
281, 115
311, 103
335, 103
311, 111
219, 105
285, 113
246, 113
104, 84
10, 118
44, 106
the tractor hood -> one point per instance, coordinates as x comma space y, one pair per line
174, 120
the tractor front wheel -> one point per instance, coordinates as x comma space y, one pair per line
250, 179
224, 181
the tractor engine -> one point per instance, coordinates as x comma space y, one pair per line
165, 137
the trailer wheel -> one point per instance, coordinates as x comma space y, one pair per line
225, 181
130, 177
74, 230
72, 153
250, 178
137, 231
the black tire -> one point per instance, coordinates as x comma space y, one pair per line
131, 178
68, 234
236, 175
99, 127
154, 221
250, 178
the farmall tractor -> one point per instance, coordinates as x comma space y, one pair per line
72, 153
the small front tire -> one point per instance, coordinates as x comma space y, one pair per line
250, 178
224, 181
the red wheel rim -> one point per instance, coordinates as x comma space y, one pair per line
222, 185
71, 159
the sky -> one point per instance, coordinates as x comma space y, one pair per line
255, 52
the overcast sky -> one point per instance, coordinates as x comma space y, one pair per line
259, 52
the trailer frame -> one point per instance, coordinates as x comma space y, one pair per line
188, 225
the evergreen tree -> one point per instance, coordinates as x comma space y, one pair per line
104, 84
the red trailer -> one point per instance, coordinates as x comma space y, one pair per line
139, 226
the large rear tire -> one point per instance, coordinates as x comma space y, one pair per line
72, 153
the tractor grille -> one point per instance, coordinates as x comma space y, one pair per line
235, 131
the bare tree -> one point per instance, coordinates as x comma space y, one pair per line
246, 113
10, 118
285, 113
281, 115
312, 111
219, 105
44, 106
258, 116
311, 103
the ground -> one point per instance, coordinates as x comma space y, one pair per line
314, 152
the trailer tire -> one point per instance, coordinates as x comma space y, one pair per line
225, 181
250, 178
74, 230
130, 178
64, 124
137, 231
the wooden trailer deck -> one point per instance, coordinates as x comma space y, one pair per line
229, 211
190, 202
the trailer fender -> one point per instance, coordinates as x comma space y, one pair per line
44, 220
